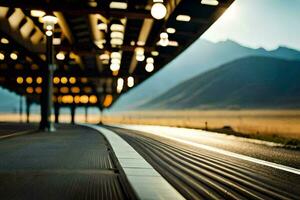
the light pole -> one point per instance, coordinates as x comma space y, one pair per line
46, 97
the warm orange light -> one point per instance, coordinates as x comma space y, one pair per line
29, 80
84, 99
63, 80
38, 90
59, 99
72, 80
56, 80
75, 89
83, 80
64, 90
39, 80
20, 80
115, 73
108, 100
87, 89
77, 99
93, 99
29, 90
67, 99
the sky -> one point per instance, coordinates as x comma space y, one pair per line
259, 23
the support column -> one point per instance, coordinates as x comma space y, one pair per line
56, 113
21, 108
46, 97
86, 114
28, 104
101, 115
73, 114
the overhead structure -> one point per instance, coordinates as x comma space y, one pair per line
101, 48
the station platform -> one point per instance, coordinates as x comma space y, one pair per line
74, 162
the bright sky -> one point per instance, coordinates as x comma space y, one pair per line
259, 23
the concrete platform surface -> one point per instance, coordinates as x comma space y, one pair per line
73, 162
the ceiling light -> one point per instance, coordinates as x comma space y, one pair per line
116, 41
29, 80
114, 67
140, 58
130, 81
4, 41
60, 56
102, 27
141, 43
49, 33
173, 43
154, 53
210, 2
164, 41
104, 56
115, 55
132, 43
118, 5
14, 56
183, 18
20, 80
158, 10
150, 60
56, 41
120, 84
2, 56
115, 61
37, 13
49, 22
93, 99
116, 34
149, 67
93, 3
171, 30
117, 27
63, 80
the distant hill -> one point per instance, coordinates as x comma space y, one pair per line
252, 82
200, 57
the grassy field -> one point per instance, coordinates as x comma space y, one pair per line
274, 125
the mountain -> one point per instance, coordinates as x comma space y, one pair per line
251, 82
200, 57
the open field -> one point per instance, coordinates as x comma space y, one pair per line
273, 125
269, 123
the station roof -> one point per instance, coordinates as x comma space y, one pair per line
97, 44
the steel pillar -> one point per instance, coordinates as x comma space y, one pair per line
46, 97
56, 113
73, 114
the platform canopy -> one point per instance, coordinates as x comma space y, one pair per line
102, 48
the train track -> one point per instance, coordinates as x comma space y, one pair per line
203, 175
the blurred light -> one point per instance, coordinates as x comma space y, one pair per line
116, 41
84, 99
139, 51
75, 89
149, 67
104, 56
83, 80
115, 55
56, 80
171, 30
72, 80
150, 60
38, 90
173, 43
102, 27
154, 53
50, 20
39, 80
37, 13
140, 58
118, 5
132, 43
14, 56
49, 33
4, 41
29, 90
141, 43
93, 99
63, 80
114, 67
183, 18
60, 56
117, 27
116, 61
107, 100
2, 56
130, 81
29, 80
120, 84
210, 2
87, 89
56, 41
93, 3
164, 41
64, 90
117, 34
20, 80
77, 99
67, 99
158, 10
